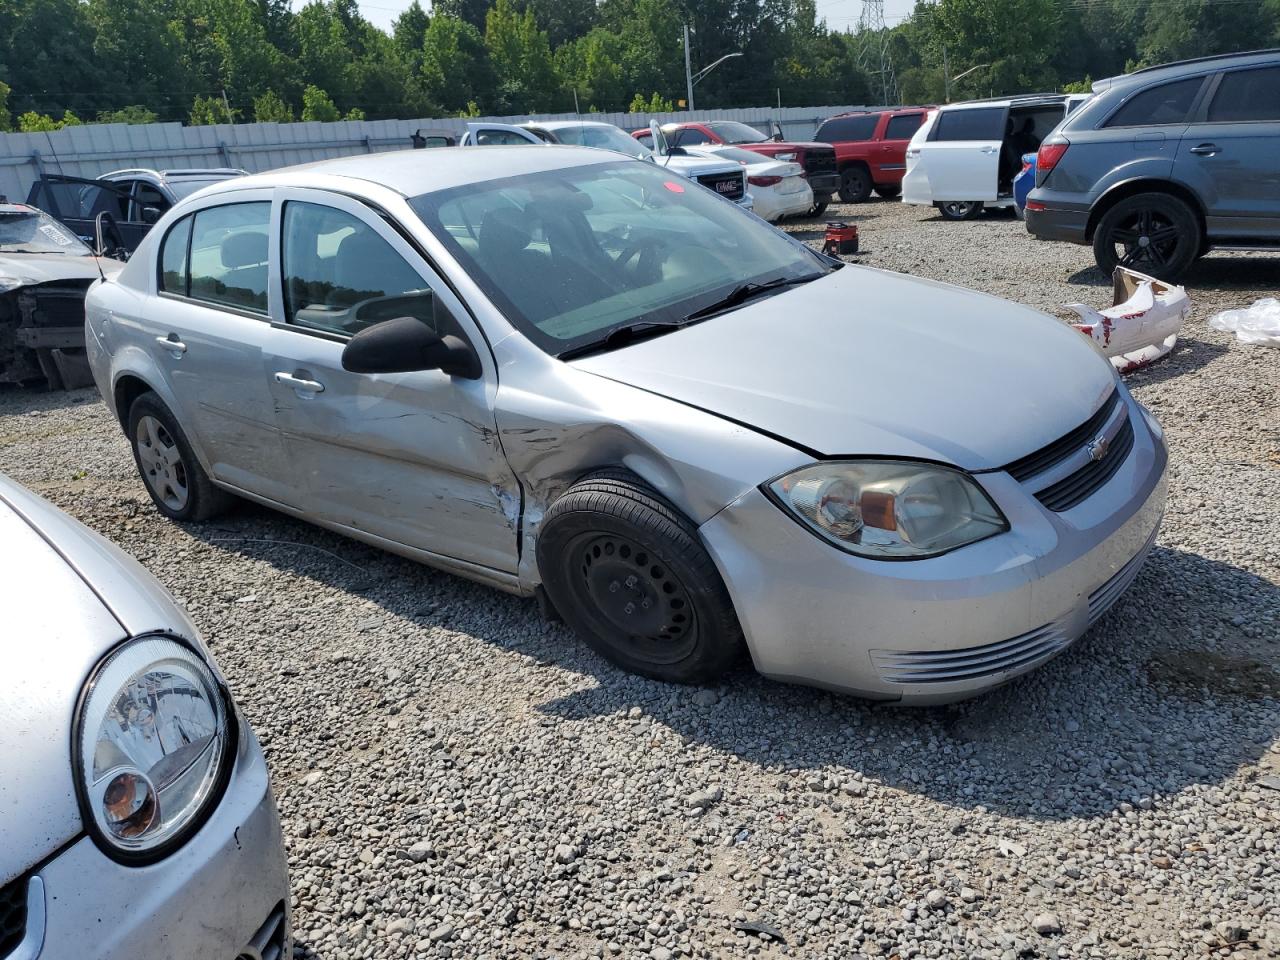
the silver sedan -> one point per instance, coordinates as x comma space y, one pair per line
571, 375
137, 813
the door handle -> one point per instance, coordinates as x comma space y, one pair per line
299, 383
172, 344
990, 149
1206, 150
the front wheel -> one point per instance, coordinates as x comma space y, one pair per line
628, 573
1156, 233
959, 209
178, 485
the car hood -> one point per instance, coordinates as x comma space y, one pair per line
699, 166
44, 267
69, 597
865, 362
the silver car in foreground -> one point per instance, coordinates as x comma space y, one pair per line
584, 378
136, 817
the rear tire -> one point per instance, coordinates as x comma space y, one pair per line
959, 209
178, 485
628, 573
855, 184
819, 207
1154, 233
889, 192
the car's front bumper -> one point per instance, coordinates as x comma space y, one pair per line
946, 628
224, 895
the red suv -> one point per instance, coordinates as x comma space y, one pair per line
817, 159
871, 149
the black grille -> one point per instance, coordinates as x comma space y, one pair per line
819, 160
1044, 458
728, 185
13, 915
1066, 493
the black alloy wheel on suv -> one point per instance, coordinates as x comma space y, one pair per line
1155, 233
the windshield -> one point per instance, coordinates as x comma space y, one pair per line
604, 137
731, 131
570, 255
34, 231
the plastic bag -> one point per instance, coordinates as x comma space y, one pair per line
1259, 323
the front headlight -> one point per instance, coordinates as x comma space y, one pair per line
153, 746
889, 510
785, 157
13, 283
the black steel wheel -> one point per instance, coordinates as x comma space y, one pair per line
1154, 233
628, 573
855, 184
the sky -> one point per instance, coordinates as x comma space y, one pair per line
839, 14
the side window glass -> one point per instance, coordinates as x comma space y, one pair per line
983, 123
498, 138
1167, 103
174, 275
1246, 95
341, 277
228, 261
901, 128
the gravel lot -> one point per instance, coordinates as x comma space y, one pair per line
458, 779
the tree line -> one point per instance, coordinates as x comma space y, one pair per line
214, 61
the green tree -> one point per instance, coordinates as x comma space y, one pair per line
408, 31
32, 122
206, 111
134, 113
270, 108
521, 59
355, 113
6, 122
468, 11
316, 105
46, 57
562, 20
591, 66
455, 65
656, 103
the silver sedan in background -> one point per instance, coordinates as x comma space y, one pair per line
566, 374
136, 814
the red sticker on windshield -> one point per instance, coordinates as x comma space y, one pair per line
674, 187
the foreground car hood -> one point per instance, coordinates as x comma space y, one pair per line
43, 267
865, 362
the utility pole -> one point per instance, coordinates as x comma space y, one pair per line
946, 75
688, 70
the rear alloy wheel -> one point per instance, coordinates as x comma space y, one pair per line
173, 476
889, 192
855, 184
1154, 233
628, 573
959, 209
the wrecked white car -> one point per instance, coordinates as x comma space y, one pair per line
45, 271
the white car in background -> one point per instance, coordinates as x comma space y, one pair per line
725, 177
965, 156
778, 188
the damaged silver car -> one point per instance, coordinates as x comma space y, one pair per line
588, 380
45, 270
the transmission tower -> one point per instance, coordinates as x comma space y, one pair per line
873, 53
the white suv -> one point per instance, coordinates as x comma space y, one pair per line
965, 155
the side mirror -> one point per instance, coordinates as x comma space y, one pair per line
407, 345
150, 214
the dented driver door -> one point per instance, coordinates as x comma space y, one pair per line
407, 458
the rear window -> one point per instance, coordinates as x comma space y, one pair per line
1167, 103
901, 128
1246, 95
984, 123
846, 129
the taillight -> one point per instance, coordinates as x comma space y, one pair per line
764, 181
1035, 206
1049, 155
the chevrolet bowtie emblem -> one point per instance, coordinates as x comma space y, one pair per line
1098, 447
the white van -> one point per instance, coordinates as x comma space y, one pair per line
965, 155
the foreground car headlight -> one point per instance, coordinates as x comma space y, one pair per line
13, 283
152, 748
889, 510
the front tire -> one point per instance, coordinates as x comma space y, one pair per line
1155, 233
855, 184
959, 209
178, 485
628, 573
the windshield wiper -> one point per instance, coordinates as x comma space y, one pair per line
619, 336
748, 291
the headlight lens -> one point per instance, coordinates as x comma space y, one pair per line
154, 733
13, 283
890, 510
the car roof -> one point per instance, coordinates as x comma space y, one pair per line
1016, 100
414, 172
566, 124
197, 173
1189, 68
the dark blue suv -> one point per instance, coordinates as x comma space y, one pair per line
1166, 163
